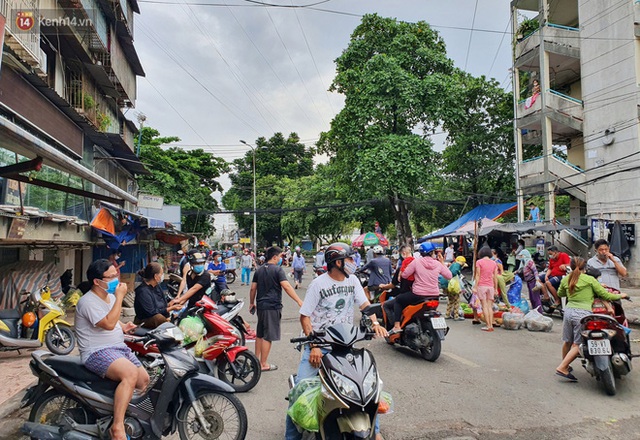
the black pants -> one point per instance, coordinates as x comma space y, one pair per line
403, 300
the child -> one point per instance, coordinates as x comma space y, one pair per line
453, 303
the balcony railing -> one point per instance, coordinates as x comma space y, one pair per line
25, 43
568, 176
561, 103
558, 35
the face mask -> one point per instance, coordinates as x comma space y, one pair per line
350, 268
198, 269
111, 286
280, 262
219, 259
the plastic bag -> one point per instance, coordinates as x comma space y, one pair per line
540, 324
193, 329
304, 409
512, 321
515, 291
385, 405
523, 305
454, 285
201, 346
530, 316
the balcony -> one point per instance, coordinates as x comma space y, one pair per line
120, 73
567, 176
86, 22
565, 112
25, 43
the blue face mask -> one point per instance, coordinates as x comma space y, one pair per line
111, 286
198, 269
280, 262
219, 259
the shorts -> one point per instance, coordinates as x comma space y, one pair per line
297, 275
99, 361
486, 293
571, 326
555, 281
268, 327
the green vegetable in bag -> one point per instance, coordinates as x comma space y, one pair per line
454, 285
193, 328
304, 410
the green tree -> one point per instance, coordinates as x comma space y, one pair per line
397, 82
185, 178
278, 159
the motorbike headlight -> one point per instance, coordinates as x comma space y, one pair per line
345, 386
370, 382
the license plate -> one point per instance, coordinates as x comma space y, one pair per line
599, 347
440, 324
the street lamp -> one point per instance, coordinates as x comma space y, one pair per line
255, 223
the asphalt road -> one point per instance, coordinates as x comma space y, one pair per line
497, 385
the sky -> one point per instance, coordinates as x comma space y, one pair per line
221, 71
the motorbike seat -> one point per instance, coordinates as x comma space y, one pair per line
9, 314
72, 367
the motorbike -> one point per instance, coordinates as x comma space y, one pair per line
230, 275
224, 355
70, 402
423, 327
606, 349
37, 319
466, 288
351, 387
229, 308
319, 270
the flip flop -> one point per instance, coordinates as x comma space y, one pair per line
567, 376
272, 367
394, 331
475, 322
486, 329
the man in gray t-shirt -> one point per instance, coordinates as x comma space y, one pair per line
608, 264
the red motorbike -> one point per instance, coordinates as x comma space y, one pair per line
223, 356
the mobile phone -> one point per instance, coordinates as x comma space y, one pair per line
252, 310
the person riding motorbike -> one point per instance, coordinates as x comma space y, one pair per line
380, 270
329, 300
196, 279
426, 271
398, 284
217, 268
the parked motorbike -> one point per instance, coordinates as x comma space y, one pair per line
70, 402
224, 356
423, 327
319, 270
606, 349
229, 308
36, 320
230, 275
351, 386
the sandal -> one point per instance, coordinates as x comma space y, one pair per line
474, 322
486, 329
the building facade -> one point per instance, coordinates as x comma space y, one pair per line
576, 128
68, 72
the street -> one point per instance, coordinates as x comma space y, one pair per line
484, 386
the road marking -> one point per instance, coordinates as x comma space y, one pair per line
462, 360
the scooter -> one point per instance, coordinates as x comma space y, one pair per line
606, 349
350, 394
423, 327
70, 402
223, 356
36, 320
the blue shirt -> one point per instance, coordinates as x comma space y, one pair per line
221, 278
535, 214
298, 262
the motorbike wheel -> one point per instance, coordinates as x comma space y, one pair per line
50, 408
608, 381
432, 351
223, 412
61, 345
248, 370
230, 276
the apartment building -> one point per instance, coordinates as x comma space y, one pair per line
68, 73
576, 66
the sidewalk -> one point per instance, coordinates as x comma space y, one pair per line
632, 308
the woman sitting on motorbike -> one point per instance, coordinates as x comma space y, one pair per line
150, 303
425, 270
580, 290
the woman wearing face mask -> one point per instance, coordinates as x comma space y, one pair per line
150, 304
197, 280
217, 268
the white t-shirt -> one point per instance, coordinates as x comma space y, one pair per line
448, 254
90, 310
328, 302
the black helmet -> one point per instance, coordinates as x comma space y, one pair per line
196, 257
337, 251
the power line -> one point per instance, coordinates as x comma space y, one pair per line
473, 22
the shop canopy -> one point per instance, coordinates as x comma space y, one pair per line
492, 212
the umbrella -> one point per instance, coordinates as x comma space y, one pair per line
619, 243
370, 239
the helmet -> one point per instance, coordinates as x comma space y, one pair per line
377, 249
461, 260
427, 247
29, 319
337, 251
297, 248
196, 257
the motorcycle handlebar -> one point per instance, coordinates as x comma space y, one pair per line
312, 336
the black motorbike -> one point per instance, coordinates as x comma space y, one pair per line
70, 402
351, 387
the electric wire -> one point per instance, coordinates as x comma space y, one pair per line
473, 22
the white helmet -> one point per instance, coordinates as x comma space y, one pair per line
377, 249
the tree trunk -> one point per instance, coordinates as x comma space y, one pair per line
401, 214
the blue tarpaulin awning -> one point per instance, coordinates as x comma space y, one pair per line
479, 212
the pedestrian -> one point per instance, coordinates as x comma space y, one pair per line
266, 297
486, 284
319, 258
608, 264
357, 258
580, 290
101, 340
380, 271
449, 254
504, 277
369, 255
534, 213
246, 263
453, 297
298, 265
530, 275
330, 299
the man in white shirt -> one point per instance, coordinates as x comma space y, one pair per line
608, 264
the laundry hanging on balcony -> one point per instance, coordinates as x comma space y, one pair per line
528, 103
116, 229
